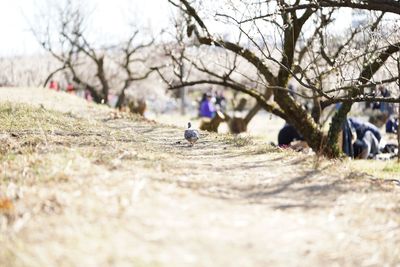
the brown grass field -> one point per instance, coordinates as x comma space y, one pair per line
83, 185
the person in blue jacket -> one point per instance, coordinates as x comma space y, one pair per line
207, 108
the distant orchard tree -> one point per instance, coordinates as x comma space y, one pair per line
89, 64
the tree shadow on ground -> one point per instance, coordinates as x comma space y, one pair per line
309, 190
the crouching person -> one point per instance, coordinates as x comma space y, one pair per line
367, 147
368, 136
289, 137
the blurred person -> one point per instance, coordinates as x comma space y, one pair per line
368, 137
220, 101
392, 125
54, 85
287, 135
383, 106
70, 88
88, 95
207, 108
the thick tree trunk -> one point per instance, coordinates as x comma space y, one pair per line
302, 120
122, 95
305, 125
121, 99
103, 80
336, 127
96, 96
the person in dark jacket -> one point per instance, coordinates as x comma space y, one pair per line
287, 135
368, 137
392, 125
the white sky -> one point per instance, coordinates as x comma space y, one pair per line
110, 16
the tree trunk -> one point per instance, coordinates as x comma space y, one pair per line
96, 97
304, 124
103, 80
336, 127
121, 99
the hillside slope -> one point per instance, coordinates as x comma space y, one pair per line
82, 185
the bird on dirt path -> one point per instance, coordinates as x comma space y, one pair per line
191, 135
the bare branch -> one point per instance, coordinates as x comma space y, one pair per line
390, 6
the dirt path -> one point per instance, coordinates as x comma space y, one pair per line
99, 190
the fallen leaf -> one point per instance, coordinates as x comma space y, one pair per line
6, 205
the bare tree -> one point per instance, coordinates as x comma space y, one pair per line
130, 57
92, 66
296, 41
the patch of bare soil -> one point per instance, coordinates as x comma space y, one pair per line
82, 185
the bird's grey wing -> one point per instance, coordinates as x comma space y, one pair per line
191, 135
187, 134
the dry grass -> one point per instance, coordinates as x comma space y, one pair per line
378, 169
81, 185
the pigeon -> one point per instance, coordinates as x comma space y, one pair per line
191, 135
